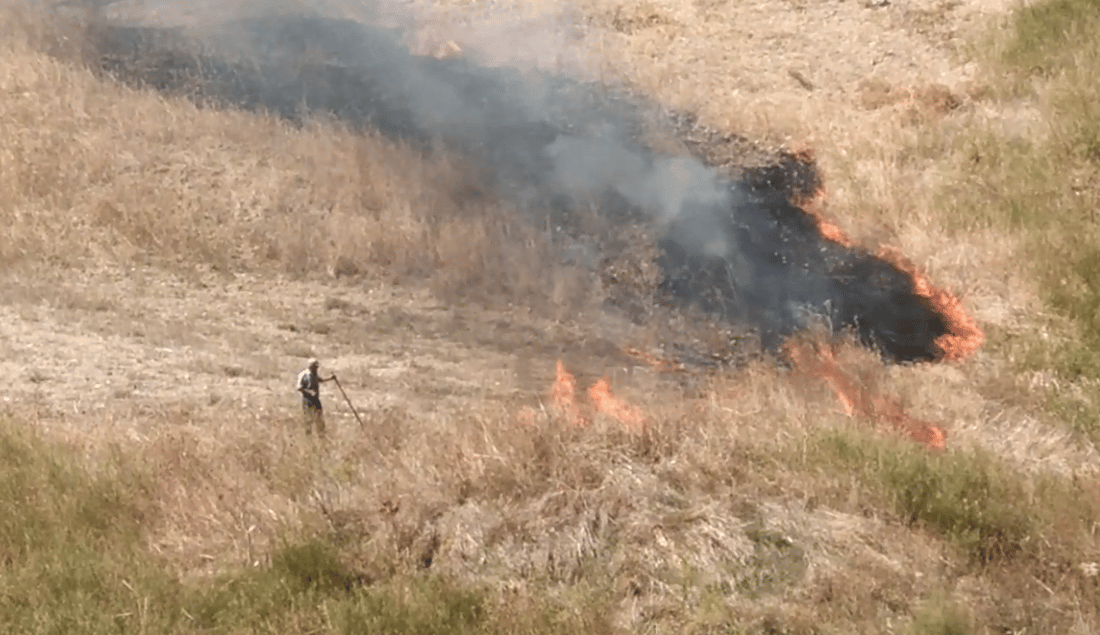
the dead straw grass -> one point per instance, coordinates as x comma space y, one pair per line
693, 512
721, 513
97, 171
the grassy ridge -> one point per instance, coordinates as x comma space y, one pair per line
72, 560
1028, 533
991, 512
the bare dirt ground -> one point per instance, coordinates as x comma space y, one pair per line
116, 341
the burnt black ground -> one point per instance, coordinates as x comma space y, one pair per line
777, 275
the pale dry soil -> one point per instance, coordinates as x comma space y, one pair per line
123, 340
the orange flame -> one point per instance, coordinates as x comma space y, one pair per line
605, 402
828, 230
963, 336
857, 403
563, 396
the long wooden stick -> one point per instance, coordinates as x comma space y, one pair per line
361, 425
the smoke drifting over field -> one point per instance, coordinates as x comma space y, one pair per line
553, 145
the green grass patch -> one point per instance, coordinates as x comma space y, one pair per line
70, 554
1046, 38
939, 616
969, 499
306, 589
990, 510
1044, 186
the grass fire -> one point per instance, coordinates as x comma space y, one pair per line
647, 317
740, 248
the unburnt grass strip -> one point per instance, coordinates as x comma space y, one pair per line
1041, 183
1030, 537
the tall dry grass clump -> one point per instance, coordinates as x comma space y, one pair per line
685, 525
97, 171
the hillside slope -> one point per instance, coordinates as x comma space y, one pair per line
167, 269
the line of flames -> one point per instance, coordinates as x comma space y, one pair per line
820, 361
963, 336
815, 361
563, 401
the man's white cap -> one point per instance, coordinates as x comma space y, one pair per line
313, 363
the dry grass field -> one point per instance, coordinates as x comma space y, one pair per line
167, 268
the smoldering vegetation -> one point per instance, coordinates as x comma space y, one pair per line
572, 155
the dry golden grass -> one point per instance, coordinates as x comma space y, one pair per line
694, 511
106, 173
740, 504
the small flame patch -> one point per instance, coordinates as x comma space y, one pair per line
564, 401
820, 362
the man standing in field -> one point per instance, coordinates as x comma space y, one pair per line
309, 384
